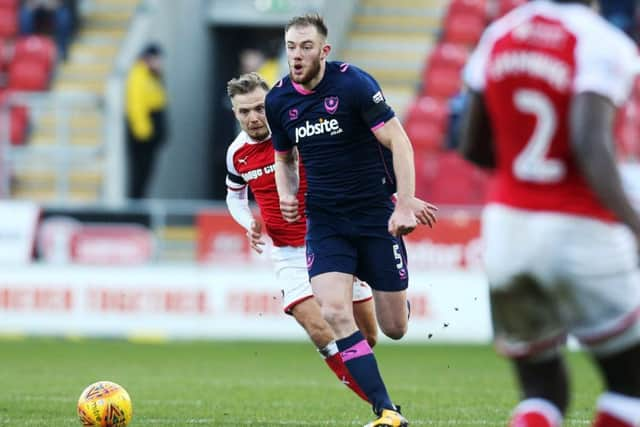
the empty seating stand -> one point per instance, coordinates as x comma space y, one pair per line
27, 65
426, 122
443, 177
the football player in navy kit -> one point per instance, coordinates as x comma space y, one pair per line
356, 155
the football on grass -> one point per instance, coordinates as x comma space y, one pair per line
105, 404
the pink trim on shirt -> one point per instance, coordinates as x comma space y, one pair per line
376, 127
360, 349
300, 89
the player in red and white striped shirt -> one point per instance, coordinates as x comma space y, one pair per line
561, 238
250, 165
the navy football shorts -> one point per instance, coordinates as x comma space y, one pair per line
368, 251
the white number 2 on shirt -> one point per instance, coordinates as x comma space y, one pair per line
532, 163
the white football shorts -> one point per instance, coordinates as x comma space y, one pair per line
290, 265
553, 274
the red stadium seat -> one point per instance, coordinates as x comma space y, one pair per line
464, 29
425, 135
9, 4
8, 23
627, 127
18, 120
426, 162
442, 82
448, 55
6, 54
37, 48
28, 75
427, 108
627, 130
506, 6
468, 7
447, 179
426, 123
636, 88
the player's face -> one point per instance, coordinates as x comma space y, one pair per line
306, 50
249, 111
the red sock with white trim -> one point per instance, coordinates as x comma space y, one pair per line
334, 360
617, 410
536, 412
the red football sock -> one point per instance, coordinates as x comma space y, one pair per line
604, 419
617, 410
530, 419
535, 413
338, 367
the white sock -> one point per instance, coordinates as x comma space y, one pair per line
329, 350
625, 408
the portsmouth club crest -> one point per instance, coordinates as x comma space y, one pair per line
310, 258
331, 104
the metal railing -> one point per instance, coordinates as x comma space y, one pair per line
51, 148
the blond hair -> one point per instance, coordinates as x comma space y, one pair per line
246, 83
310, 19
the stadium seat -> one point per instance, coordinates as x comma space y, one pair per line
627, 130
476, 8
8, 23
627, 127
448, 55
463, 28
28, 75
427, 108
18, 120
447, 179
6, 54
506, 6
9, 4
426, 123
425, 135
442, 82
37, 48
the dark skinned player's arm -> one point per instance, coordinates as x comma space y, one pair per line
591, 122
476, 136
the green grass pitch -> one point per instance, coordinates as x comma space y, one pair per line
262, 383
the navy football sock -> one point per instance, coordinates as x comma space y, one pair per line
359, 359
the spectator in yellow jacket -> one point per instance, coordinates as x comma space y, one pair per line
146, 120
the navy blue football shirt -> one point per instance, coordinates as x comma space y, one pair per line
347, 168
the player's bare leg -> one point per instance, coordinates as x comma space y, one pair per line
307, 313
334, 292
392, 312
365, 317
